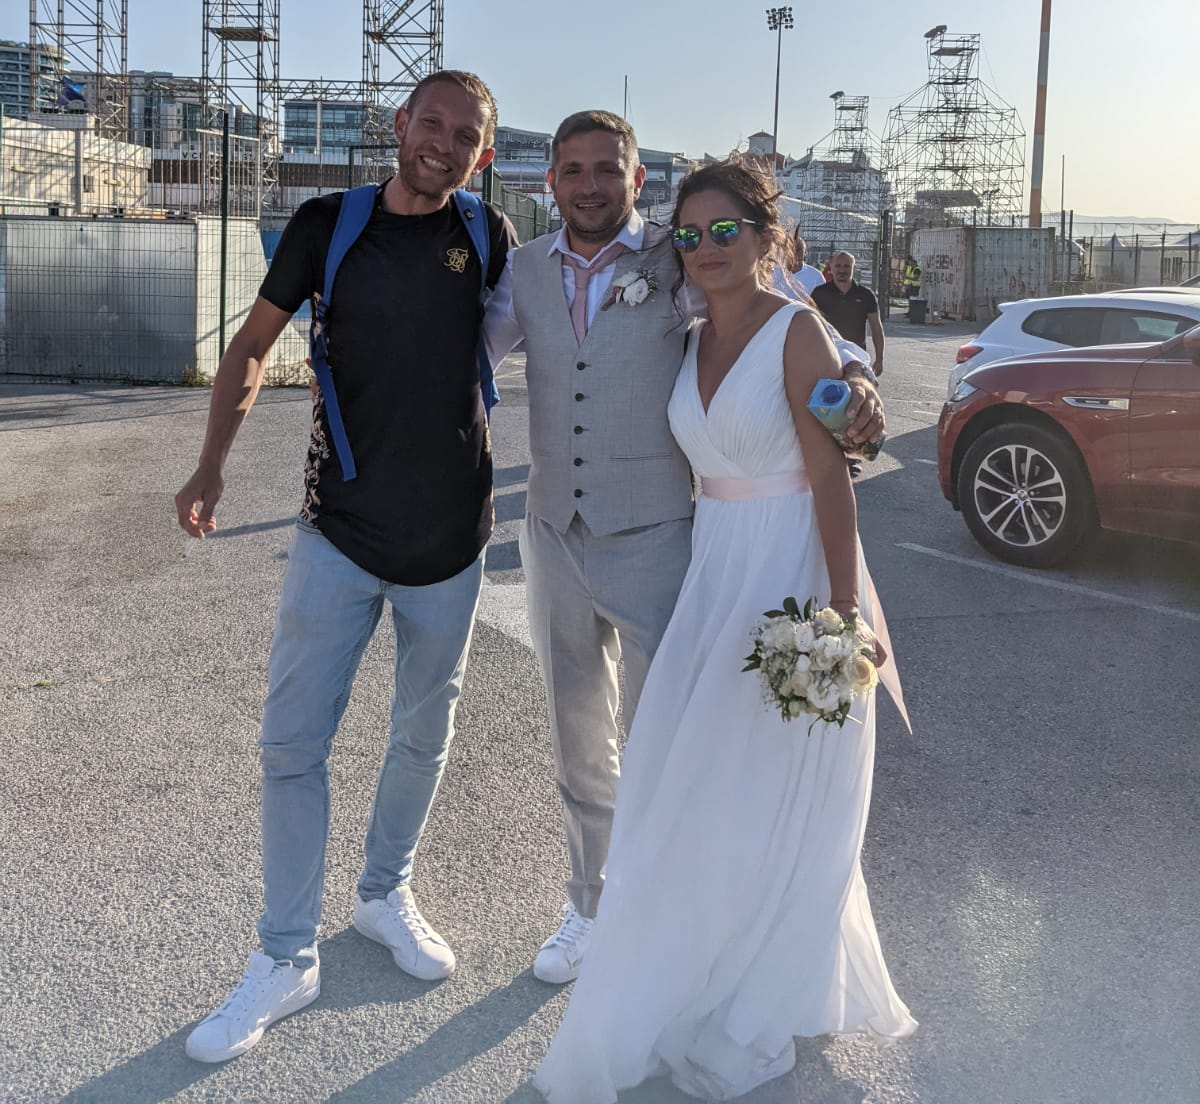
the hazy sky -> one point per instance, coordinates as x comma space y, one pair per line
1124, 102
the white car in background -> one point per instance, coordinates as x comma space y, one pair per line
1078, 321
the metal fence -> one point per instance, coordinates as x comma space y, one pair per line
529, 218
129, 299
110, 269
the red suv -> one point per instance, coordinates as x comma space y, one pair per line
1038, 450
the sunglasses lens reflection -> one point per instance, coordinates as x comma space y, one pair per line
724, 231
685, 238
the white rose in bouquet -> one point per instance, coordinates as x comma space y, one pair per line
824, 696
797, 683
827, 653
828, 622
779, 634
840, 646
804, 636
860, 674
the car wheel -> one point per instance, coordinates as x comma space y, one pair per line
1025, 495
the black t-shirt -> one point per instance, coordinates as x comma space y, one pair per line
848, 313
402, 330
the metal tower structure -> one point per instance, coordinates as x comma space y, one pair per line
87, 43
840, 184
402, 42
954, 146
855, 152
240, 78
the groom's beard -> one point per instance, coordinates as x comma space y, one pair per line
415, 177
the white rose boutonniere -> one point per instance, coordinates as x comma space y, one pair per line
632, 288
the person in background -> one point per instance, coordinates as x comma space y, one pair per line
912, 278
851, 307
798, 273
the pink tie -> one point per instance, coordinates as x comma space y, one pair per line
583, 275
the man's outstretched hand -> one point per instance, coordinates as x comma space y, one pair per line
196, 501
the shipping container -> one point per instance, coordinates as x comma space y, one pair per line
967, 271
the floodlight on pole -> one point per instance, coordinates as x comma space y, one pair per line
777, 20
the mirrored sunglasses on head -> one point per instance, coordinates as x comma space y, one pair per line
723, 232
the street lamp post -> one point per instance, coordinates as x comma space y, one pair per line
777, 20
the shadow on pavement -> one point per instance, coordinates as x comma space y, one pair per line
462, 1038
256, 527
154, 1075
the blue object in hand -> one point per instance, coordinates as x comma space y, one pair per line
828, 404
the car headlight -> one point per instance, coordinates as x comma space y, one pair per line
962, 390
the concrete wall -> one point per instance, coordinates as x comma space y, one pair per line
109, 299
246, 266
968, 270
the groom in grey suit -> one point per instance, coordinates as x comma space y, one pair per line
607, 534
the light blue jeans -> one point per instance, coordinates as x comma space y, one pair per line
327, 612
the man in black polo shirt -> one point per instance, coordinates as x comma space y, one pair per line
851, 308
408, 531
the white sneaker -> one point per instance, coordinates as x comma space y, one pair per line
268, 991
397, 923
558, 960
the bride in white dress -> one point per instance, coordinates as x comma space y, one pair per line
735, 915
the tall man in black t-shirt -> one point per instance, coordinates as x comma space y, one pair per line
409, 530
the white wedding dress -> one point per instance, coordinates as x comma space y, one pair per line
734, 915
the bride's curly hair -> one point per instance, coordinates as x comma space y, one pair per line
752, 191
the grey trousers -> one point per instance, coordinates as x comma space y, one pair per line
592, 601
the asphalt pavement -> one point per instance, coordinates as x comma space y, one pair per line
1031, 853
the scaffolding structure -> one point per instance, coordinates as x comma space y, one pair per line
402, 43
239, 89
953, 149
87, 44
840, 189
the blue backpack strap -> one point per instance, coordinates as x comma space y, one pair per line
355, 213
474, 215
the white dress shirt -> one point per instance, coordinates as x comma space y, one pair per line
501, 330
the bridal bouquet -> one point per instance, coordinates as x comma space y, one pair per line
812, 661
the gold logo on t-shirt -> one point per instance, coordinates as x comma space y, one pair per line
456, 260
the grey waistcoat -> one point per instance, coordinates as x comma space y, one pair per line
598, 433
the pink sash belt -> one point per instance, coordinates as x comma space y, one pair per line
796, 482
764, 486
